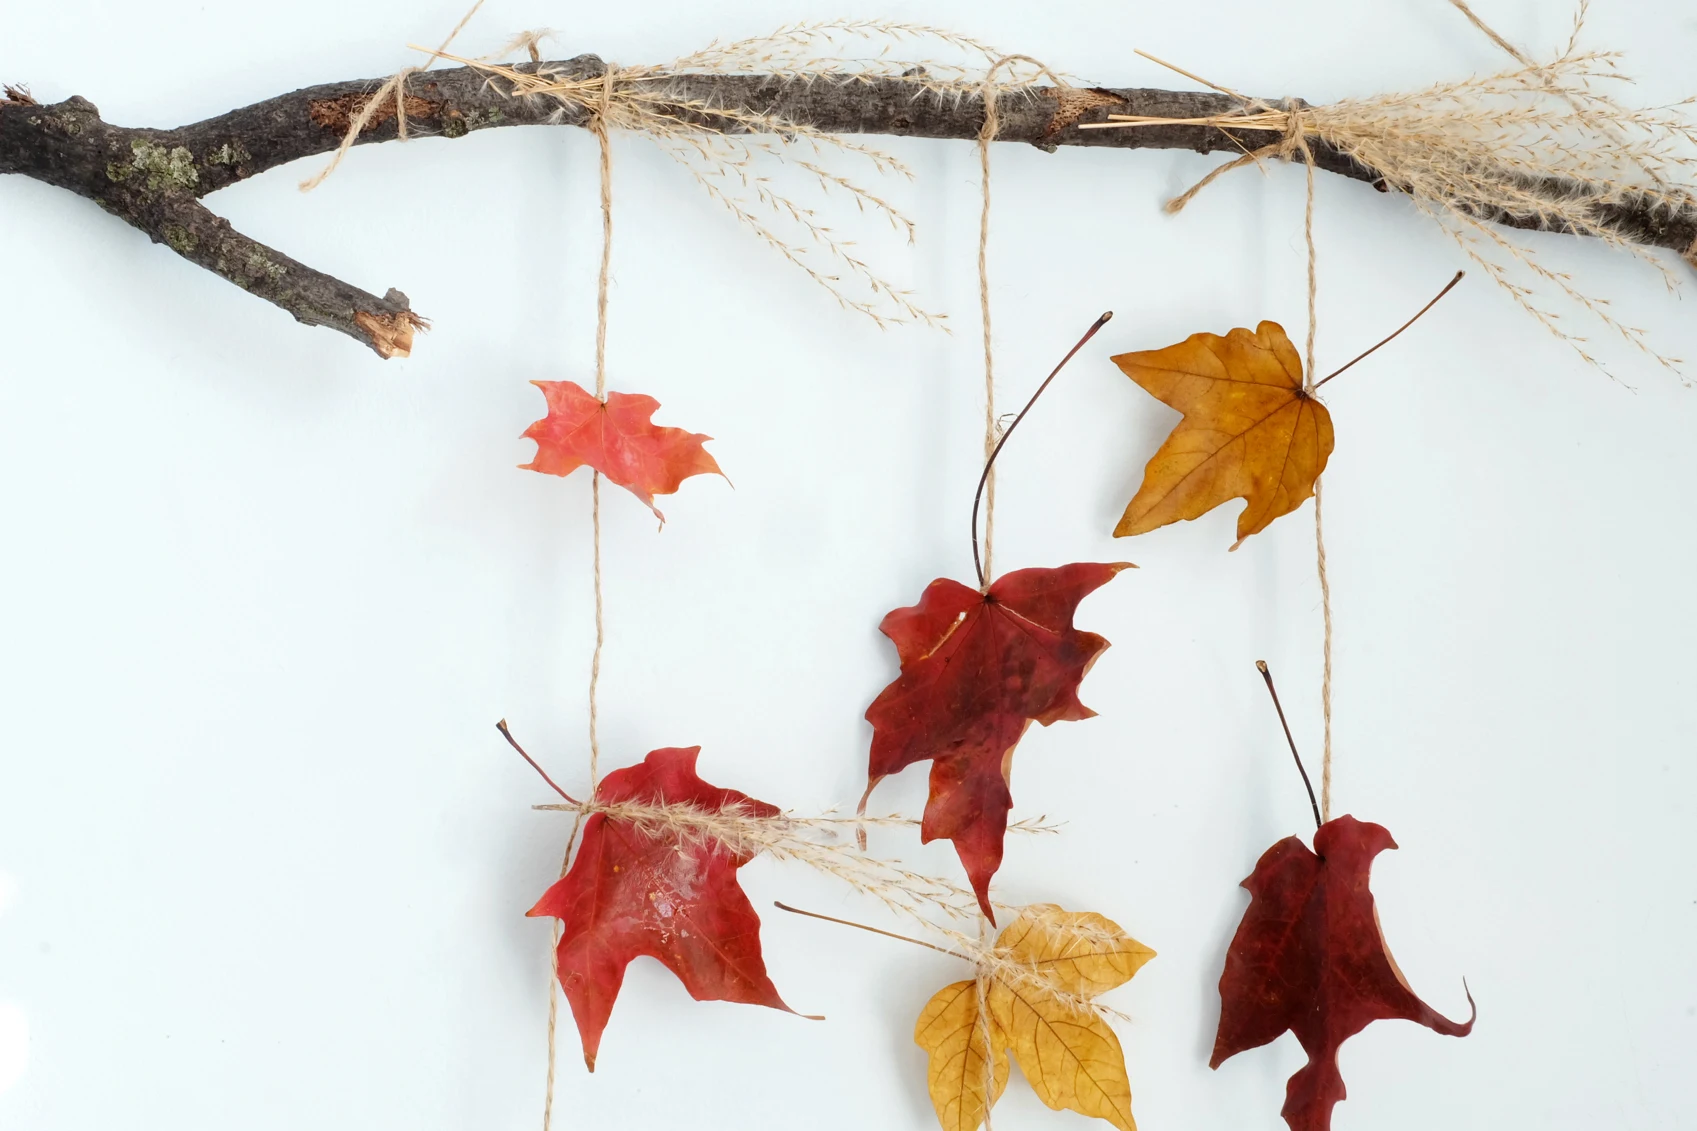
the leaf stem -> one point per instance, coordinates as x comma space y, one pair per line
864, 927
514, 743
1447, 288
1267, 674
978, 495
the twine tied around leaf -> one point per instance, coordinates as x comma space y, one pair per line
981, 974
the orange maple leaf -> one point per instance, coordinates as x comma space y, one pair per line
618, 438
1251, 430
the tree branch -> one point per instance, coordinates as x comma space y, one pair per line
154, 179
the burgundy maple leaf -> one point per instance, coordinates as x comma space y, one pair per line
1309, 957
977, 670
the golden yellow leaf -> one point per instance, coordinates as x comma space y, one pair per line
1047, 967
1250, 430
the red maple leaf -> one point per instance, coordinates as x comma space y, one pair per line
977, 669
1309, 957
638, 888
616, 438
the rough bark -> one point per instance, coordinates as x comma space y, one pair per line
154, 179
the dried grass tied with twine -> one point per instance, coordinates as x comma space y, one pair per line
1545, 145
816, 842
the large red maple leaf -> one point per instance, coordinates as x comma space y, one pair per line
637, 888
1309, 957
978, 668
617, 438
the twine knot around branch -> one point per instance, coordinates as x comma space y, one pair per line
602, 110
1297, 124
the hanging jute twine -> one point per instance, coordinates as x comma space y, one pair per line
598, 127
1295, 141
991, 94
1293, 119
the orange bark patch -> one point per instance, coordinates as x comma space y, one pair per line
337, 113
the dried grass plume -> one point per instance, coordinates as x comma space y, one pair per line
1548, 145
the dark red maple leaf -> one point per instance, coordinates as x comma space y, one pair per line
1309, 957
617, 438
977, 670
639, 889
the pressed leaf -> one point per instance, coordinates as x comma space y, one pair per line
1309, 957
1039, 1008
977, 670
641, 889
617, 438
1250, 430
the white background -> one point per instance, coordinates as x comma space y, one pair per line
263, 598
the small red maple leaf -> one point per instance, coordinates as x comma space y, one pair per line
977, 670
617, 438
637, 888
1309, 957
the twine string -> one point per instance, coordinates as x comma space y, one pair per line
1297, 125
992, 123
600, 113
991, 96
1296, 139
598, 126
1292, 114
980, 987
600, 632
598, 119
1325, 657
